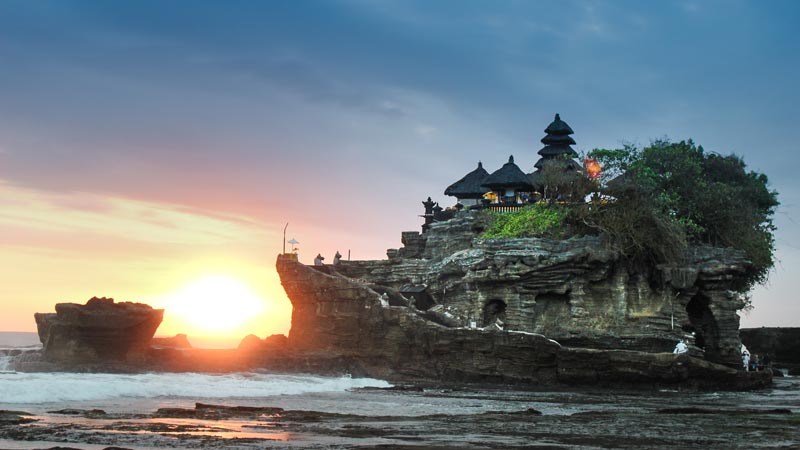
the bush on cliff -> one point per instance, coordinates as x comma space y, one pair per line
673, 193
533, 220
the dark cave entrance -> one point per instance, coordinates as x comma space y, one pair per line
492, 311
703, 324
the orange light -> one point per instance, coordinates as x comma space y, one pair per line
593, 170
215, 305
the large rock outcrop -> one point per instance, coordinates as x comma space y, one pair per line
578, 291
100, 330
341, 320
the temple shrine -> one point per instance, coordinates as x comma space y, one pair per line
509, 187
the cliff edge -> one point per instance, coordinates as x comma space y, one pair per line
377, 328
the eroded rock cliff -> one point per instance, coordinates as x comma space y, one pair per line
100, 330
340, 320
578, 291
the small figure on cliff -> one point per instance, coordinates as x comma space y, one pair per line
318, 260
337, 258
754, 363
680, 347
745, 358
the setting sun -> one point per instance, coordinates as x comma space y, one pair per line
215, 304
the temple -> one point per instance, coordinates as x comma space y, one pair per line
556, 155
453, 303
510, 188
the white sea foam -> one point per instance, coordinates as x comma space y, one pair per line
34, 388
5, 363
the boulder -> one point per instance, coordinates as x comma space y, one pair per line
100, 330
251, 342
177, 341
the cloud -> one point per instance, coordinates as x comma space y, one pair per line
115, 218
425, 131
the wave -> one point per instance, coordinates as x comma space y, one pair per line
33, 388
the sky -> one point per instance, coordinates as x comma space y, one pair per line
147, 145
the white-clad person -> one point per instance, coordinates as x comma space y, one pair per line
745, 358
680, 347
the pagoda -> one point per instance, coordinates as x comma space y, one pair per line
557, 151
469, 190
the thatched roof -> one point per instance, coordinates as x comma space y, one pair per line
558, 126
569, 164
558, 139
470, 186
535, 178
508, 176
557, 150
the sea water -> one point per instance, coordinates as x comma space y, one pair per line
43, 394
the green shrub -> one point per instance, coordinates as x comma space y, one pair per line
532, 220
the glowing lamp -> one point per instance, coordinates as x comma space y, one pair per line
593, 170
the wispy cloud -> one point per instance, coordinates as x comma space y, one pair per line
117, 218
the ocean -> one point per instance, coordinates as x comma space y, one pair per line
159, 411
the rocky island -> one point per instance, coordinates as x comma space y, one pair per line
100, 330
571, 313
563, 303
547, 278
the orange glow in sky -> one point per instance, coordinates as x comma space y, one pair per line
215, 304
214, 274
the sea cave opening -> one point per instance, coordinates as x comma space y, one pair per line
493, 311
702, 322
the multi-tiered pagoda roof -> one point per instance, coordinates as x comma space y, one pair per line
557, 145
557, 151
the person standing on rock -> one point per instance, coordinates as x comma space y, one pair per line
318, 260
680, 348
337, 258
745, 358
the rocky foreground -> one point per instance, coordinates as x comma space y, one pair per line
542, 420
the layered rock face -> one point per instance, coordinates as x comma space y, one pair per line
100, 330
339, 321
335, 316
577, 291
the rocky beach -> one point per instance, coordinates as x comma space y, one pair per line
263, 410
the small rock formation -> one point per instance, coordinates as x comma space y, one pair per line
177, 341
100, 330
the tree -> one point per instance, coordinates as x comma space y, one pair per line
712, 198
